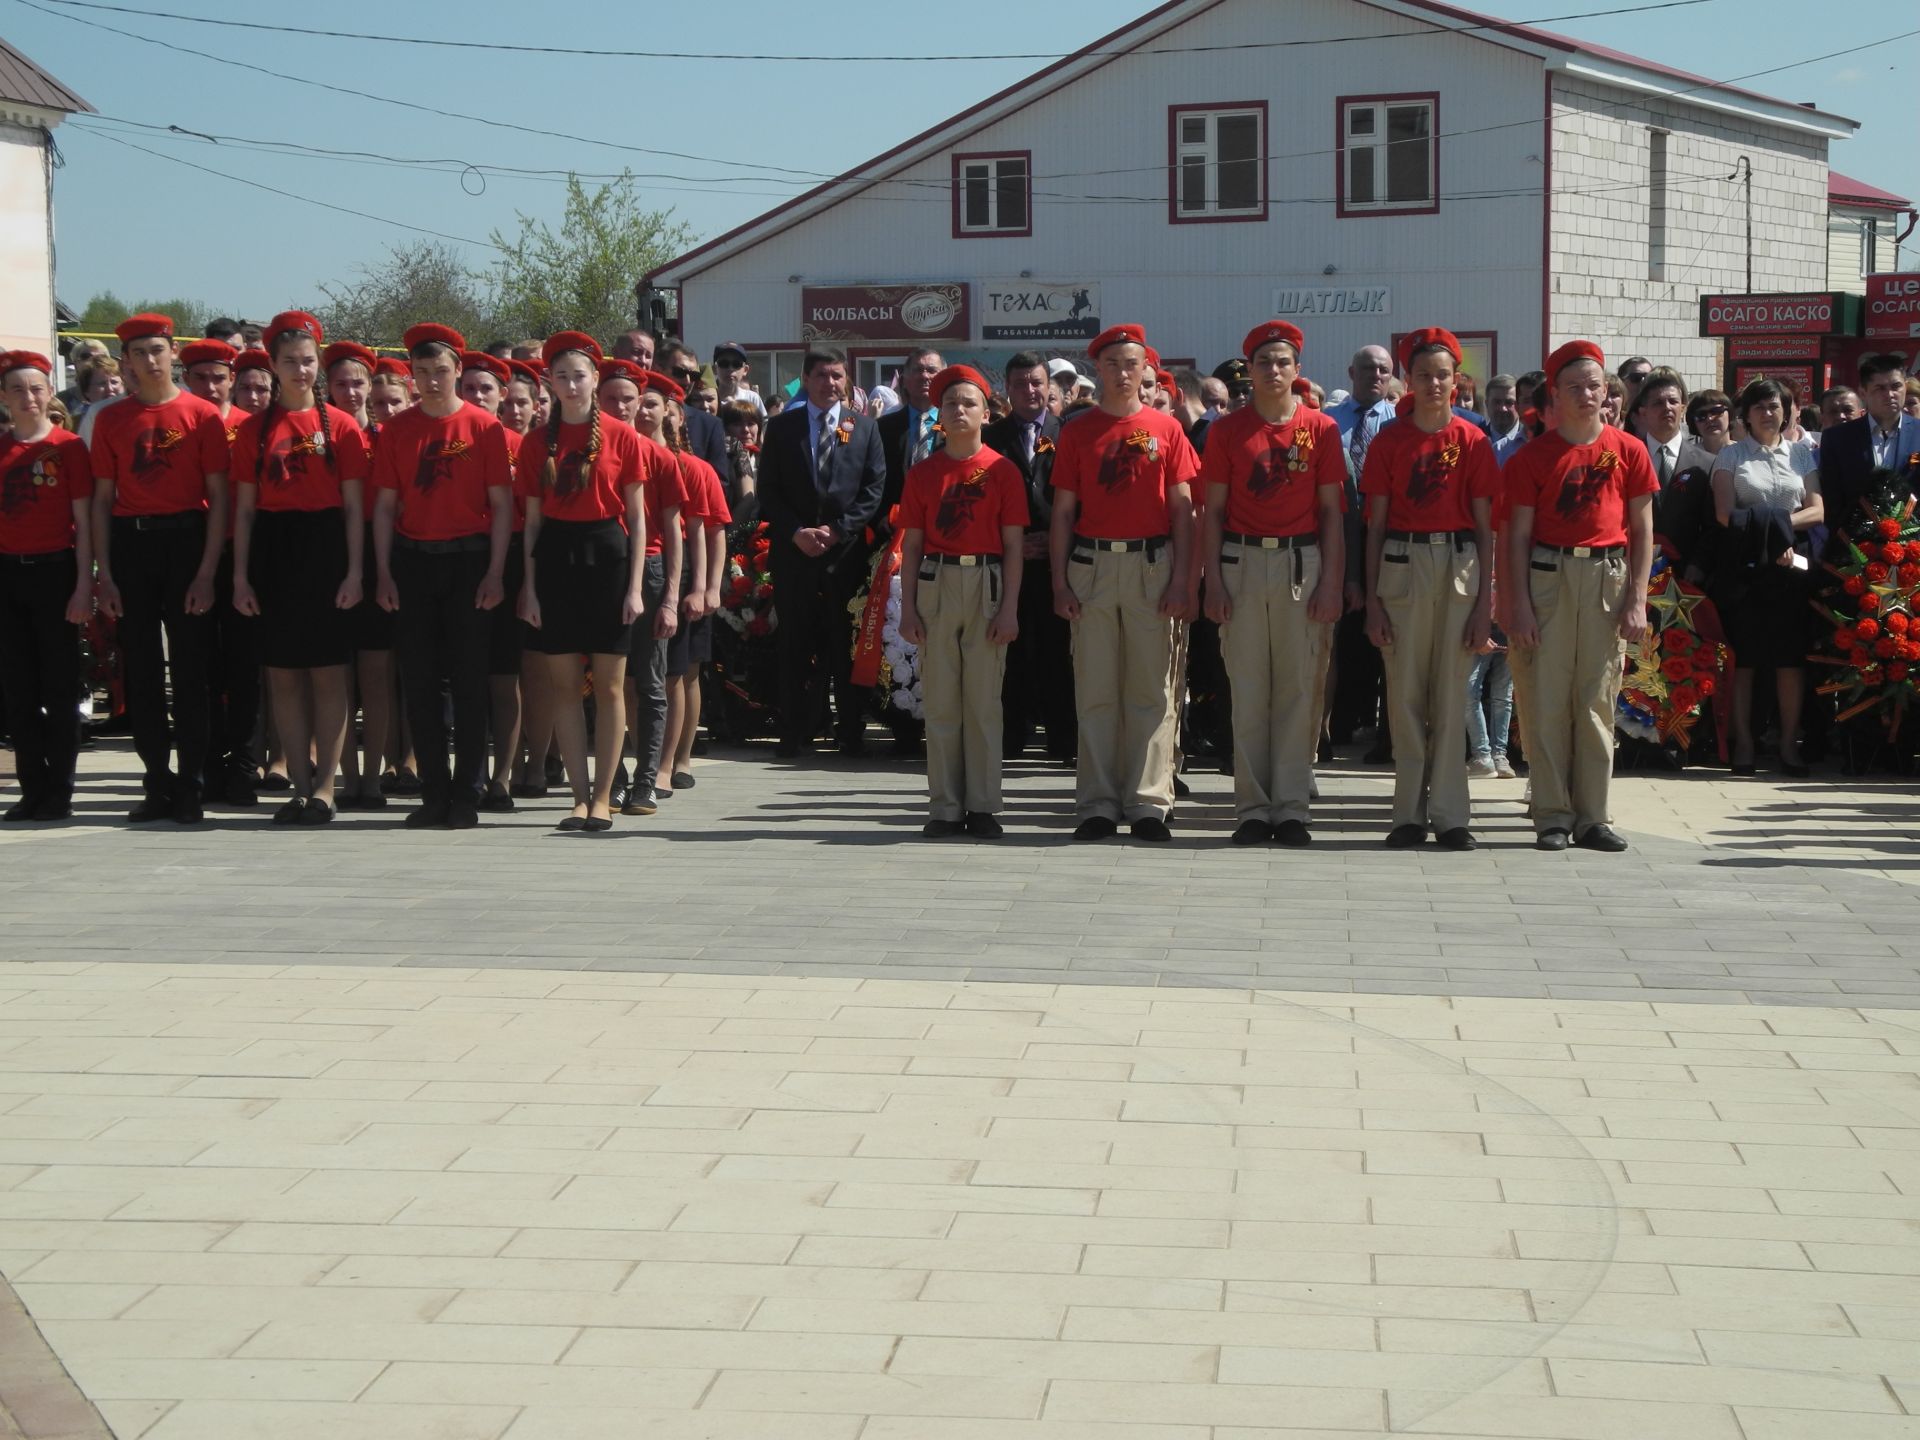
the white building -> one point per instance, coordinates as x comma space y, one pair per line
32, 103
1864, 227
1365, 168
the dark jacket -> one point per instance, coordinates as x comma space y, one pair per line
1846, 472
897, 446
848, 498
1008, 437
707, 438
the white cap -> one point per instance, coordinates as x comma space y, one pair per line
1060, 367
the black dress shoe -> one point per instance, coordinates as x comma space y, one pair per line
1293, 834
983, 826
1405, 837
572, 822
21, 809
1181, 789
1253, 832
431, 815
1095, 827
462, 813
150, 809
275, 782
1603, 838
54, 807
187, 809
1151, 828
1554, 839
289, 813
1458, 838
942, 829
496, 800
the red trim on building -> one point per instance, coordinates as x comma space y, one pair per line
1340, 103
1241, 217
960, 232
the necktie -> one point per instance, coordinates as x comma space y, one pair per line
1032, 427
922, 438
823, 450
1666, 466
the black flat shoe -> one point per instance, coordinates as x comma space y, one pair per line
405, 782
1252, 832
432, 815
598, 824
317, 812
1603, 838
1458, 838
572, 822
187, 809
682, 780
1293, 834
1743, 770
1405, 837
274, 783
289, 813
1152, 828
150, 809
1554, 839
942, 829
21, 809
498, 800
1095, 827
983, 826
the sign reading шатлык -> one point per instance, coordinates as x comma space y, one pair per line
1893, 307
1293, 300
935, 311
1827, 313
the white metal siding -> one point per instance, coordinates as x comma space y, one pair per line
26, 262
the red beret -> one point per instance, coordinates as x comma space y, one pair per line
1303, 387
252, 360
665, 384
1421, 339
347, 350
958, 375
521, 370
431, 334
558, 345
1571, 351
139, 327
1153, 357
207, 352
479, 360
1274, 332
1116, 335
615, 369
1403, 407
394, 366
295, 320
13, 360
1164, 379
539, 367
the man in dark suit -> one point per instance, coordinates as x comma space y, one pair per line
1038, 689
1882, 439
706, 436
908, 436
821, 477
1659, 420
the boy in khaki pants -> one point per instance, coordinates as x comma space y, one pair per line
963, 512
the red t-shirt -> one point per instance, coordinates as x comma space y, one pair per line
1579, 493
514, 441
664, 488
1274, 473
1430, 481
1123, 468
294, 474
442, 468
38, 484
601, 495
706, 496
159, 456
961, 505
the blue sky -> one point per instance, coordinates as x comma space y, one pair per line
249, 252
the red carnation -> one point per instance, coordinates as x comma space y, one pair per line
1866, 629
1886, 647
1676, 667
1676, 641
1894, 551
1897, 671
1876, 574
1910, 574
1844, 639
1869, 602
1898, 622
1855, 585
1888, 529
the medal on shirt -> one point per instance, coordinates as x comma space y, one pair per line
1148, 445
1300, 453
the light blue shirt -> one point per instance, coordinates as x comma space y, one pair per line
1505, 445
1359, 424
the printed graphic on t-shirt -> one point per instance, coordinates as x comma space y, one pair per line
1432, 472
287, 458
1580, 492
957, 504
436, 463
570, 474
20, 481
1126, 462
152, 446
1272, 469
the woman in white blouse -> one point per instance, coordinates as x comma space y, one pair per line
1764, 606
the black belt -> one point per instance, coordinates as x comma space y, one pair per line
1273, 542
465, 545
45, 557
1152, 545
1584, 552
1459, 538
963, 560
179, 520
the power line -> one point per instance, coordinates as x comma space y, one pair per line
845, 59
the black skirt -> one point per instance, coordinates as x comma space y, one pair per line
1767, 617
372, 627
506, 632
580, 580
297, 564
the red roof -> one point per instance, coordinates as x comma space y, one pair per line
1845, 190
26, 83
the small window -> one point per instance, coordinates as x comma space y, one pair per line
992, 194
1219, 163
1389, 156
1657, 141
1869, 246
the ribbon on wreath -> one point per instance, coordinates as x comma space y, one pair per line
868, 640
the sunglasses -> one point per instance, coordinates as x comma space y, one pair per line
1711, 410
1638, 377
683, 372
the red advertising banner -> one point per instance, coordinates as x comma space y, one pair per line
1774, 347
1800, 377
833, 313
1822, 314
1893, 307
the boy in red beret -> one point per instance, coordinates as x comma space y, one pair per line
1579, 549
1121, 549
1275, 557
964, 514
159, 527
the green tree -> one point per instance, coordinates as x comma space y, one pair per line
106, 310
582, 276
421, 280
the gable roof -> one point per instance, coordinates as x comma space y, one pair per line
25, 83
1558, 52
1845, 190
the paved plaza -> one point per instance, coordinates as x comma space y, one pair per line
766, 1118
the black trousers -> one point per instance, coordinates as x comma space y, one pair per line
233, 678
814, 639
1038, 689
153, 569
40, 672
438, 633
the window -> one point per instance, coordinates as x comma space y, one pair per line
1216, 162
1657, 141
1869, 246
1389, 155
993, 194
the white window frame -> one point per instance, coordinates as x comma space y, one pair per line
1204, 153
1377, 109
988, 167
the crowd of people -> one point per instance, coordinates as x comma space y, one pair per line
464, 574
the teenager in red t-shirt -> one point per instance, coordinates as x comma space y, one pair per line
580, 476
665, 493
46, 587
707, 497
442, 520
299, 470
693, 577
1428, 486
159, 525
1274, 550
963, 518
527, 780
1121, 550
1579, 550
252, 384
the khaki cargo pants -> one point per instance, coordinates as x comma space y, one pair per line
1123, 659
960, 674
1429, 590
1276, 659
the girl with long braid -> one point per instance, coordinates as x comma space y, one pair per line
300, 467
581, 476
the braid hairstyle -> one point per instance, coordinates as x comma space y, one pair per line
550, 472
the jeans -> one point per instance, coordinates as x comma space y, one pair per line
1489, 694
